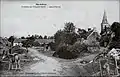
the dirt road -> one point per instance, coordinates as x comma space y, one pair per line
50, 66
45, 66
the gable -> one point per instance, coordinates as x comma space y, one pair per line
93, 35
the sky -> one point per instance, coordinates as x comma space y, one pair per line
19, 21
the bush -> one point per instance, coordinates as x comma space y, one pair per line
71, 51
115, 43
63, 52
78, 47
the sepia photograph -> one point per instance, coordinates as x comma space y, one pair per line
59, 38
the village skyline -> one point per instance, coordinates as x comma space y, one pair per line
20, 22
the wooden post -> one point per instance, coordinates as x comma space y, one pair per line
100, 68
116, 66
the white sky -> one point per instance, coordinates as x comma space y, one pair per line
19, 21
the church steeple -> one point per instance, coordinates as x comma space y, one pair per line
104, 25
104, 21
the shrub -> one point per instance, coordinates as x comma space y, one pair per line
78, 47
63, 52
70, 51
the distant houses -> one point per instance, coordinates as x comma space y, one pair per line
40, 43
18, 42
44, 41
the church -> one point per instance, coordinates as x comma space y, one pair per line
105, 31
105, 26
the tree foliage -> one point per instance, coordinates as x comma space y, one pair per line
58, 37
63, 52
115, 27
40, 37
115, 42
69, 27
82, 33
63, 39
45, 37
78, 47
67, 35
29, 42
11, 39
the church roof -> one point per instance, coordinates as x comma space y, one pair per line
104, 21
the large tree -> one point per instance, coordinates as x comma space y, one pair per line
70, 37
67, 35
115, 41
69, 27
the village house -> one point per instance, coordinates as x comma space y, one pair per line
92, 42
93, 36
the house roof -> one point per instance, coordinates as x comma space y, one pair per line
45, 40
93, 33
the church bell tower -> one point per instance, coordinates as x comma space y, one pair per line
104, 25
